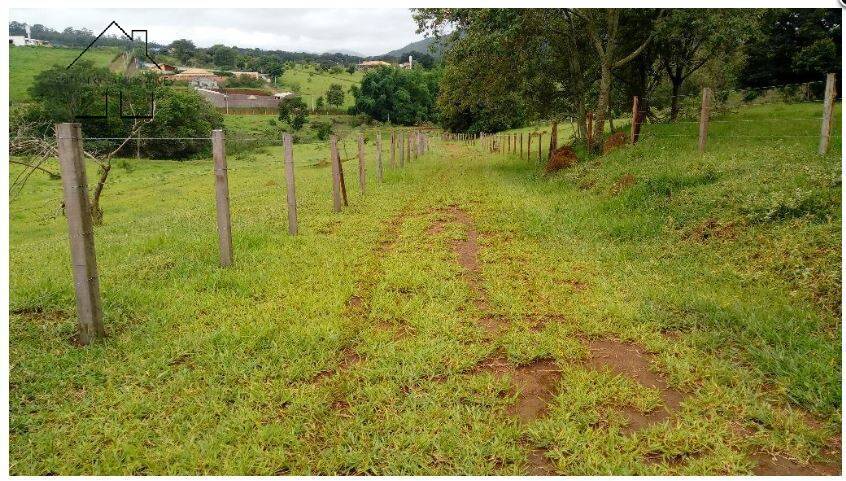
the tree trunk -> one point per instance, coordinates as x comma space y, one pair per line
601, 106
674, 101
96, 211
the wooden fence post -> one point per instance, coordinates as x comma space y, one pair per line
635, 130
540, 146
553, 138
287, 141
379, 156
80, 233
362, 175
401, 146
704, 117
521, 145
529, 148
828, 106
408, 147
393, 149
336, 174
224, 221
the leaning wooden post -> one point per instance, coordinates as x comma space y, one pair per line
336, 174
287, 142
80, 233
703, 118
379, 156
828, 107
362, 174
224, 221
635, 131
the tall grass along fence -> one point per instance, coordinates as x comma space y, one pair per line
707, 105
405, 145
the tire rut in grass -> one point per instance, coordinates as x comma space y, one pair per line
467, 252
631, 360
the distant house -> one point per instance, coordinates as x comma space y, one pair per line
239, 102
409, 64
198, 77
255, 75
372, 64
24, 41
283, 95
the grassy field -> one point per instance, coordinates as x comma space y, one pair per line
26, 62
311, 84
650, 311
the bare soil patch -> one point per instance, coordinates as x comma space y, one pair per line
712, 229
614, 141
630, 360
775, 465
622, 184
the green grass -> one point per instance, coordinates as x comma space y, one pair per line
27, 62
311, 84
725, 265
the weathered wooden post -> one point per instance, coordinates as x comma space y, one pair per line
408, 147
362, 174
704, 115
540, 146
287, 142
521, 145
635, 127
80, 233
529, 148
393, 149
401, 145
336, 174
224, 222
379, 156
828, 107
553, 138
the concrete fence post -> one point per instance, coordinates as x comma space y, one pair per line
224, 219
288, 146
828, 107
89, 309
704, 116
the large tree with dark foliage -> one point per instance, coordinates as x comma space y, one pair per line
399, 96
793, 46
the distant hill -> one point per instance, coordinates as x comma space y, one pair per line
420, 46
351, 53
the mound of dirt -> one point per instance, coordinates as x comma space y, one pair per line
561, 159
613, 142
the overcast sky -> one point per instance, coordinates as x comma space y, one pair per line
367, 31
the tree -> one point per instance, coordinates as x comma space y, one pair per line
335, 95
351, 69
405, 97
294, 112
687, 39
793, 46
602, 28
183, 49
223, 56
319, 103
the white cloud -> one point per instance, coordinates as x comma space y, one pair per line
369, 31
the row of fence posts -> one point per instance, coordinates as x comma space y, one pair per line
411, 144
509, 142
